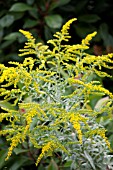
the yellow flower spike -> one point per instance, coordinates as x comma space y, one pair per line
47, 147
65, 28
75, 120
15, 141
27, 34
102, 134
88, 38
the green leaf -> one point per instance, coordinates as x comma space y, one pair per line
20, 7
18, 15
89, 158
41, 167
18, 162
30, 23
6, 20
1, 33
3, 154
30, 2
52, 165
7, 105
68, 164
62, 2
12, 36
94, 98
102, 102
104, 33
6, 44
19, 150
103, 30
34, 13
58, 4
54, 21
89, 18
111, 139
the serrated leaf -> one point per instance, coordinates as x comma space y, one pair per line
6, 20
89, 18
20, 7
54, 21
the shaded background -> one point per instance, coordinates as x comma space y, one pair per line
43, 18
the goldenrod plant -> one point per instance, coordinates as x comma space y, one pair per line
51, 91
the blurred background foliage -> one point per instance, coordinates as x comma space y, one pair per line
43, 18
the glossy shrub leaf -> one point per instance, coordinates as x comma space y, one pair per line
12, 36
30, 2
6, 44
6, 20
34, 13
89, 18
18, 15
58, 3
30, 23
20, 7
53, 21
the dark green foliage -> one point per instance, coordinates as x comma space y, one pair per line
45, 17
